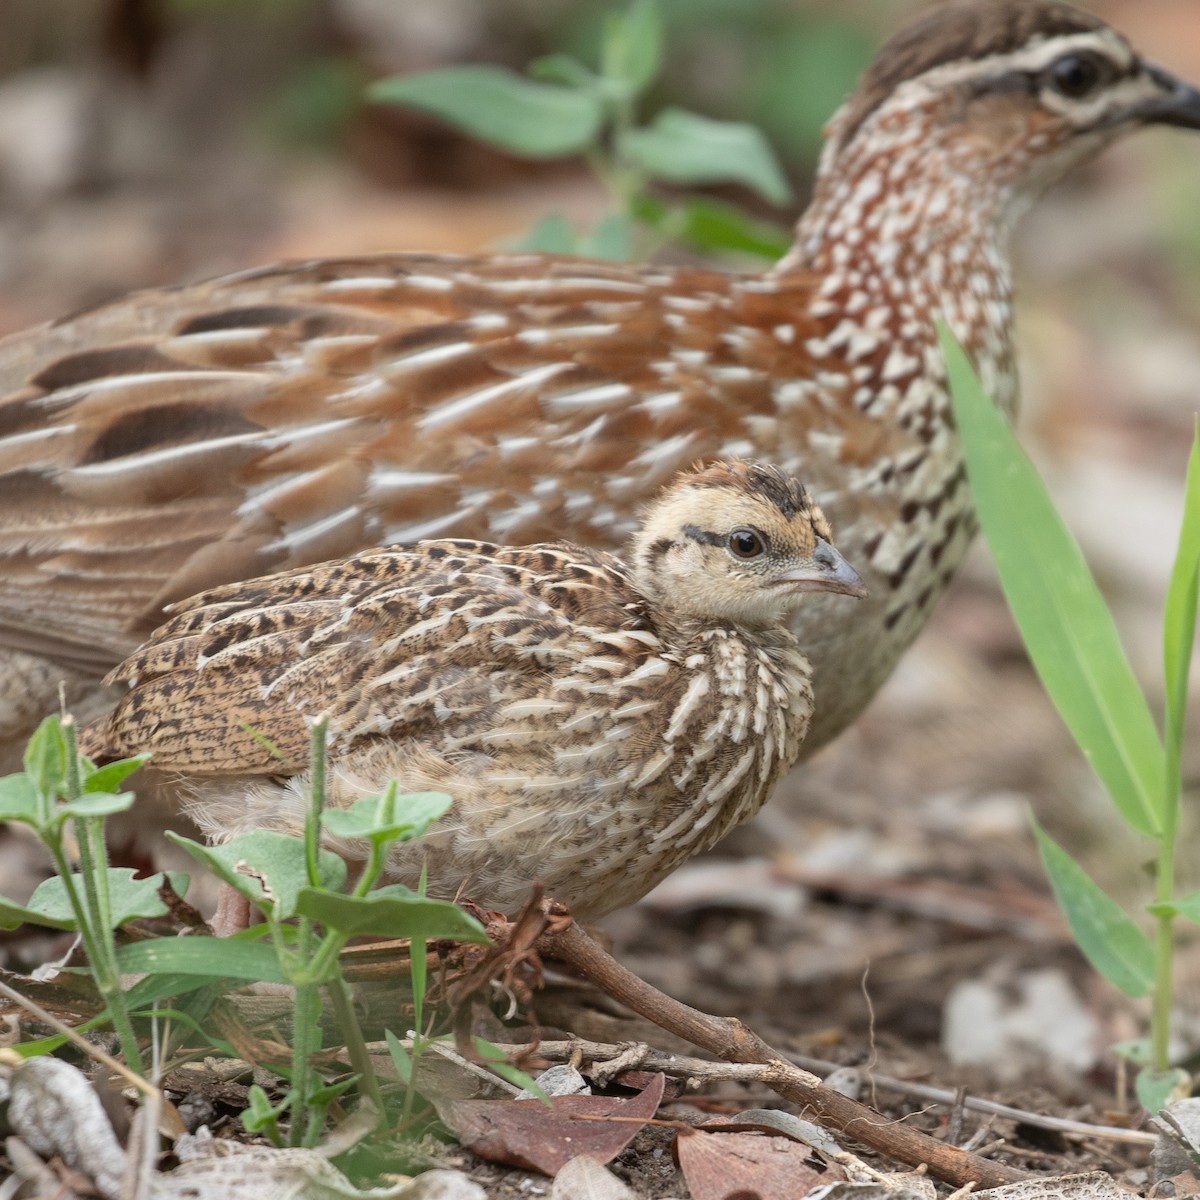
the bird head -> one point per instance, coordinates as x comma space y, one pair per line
1011, 92
736, 542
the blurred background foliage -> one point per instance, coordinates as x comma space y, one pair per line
245, 124
297, 66
237, 119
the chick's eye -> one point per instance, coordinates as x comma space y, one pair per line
745, 543
1075, 75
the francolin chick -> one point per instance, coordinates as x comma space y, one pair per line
595, 721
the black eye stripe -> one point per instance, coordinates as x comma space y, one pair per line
706, 536
1034, 82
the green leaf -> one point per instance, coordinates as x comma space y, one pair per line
180, 1017
536, 120
19, 799
401, 1059
1138, 1051
389, 912
323, 1096
1156, 1089
215, 958
611, 237
261, 1117
633, 45
129, 898
245, 862
683, 147
109, 777
46, 756
14, 915
97, 804
157, 987
1103, 931
1189, 907
563, 68
552, 234
1067, 628
1179, 621
497, 1061
712, 225
388, 817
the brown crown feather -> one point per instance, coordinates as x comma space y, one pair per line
955, 32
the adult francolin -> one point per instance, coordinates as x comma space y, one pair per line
183, 438
595, 723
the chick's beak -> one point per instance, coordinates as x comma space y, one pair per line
1179, 103
826, 571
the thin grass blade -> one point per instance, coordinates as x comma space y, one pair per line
1063, 619
1179, 627
1102, 929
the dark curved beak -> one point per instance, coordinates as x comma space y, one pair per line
1178, 105
826, 571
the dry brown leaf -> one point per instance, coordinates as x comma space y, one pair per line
719, 1165
540, 1137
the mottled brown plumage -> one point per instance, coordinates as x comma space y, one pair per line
180, 439
595, 723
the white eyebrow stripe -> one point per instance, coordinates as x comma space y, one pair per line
1036, 57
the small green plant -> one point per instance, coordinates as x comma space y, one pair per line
566, 108
1072, 640
61, 791
309, 913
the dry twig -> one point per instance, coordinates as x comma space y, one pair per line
729, 1039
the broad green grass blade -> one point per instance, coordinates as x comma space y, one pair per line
1063, 619
220, 958
1102, 929
1179, 624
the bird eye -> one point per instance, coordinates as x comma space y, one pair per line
1075, 75
746, 543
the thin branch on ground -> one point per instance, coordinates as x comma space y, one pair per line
732, 1041
609, 1059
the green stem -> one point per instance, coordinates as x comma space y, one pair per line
1164, 946
316, 800
322, 966
356, 1046
305, 1041
94, 911
1164, 892
98, 947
